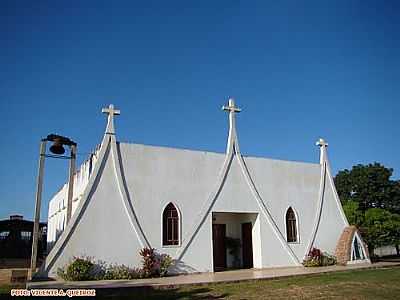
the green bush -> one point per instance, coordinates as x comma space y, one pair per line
328, 260
149, 262
153, 263
81, 268
165, 263
122, 272
316, 258
85, 268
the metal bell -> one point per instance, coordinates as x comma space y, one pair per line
57, 147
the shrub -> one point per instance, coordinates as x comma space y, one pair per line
328, 260
154, 264
121, 272
81, 268
317, 258
165, 263
149, 262
85, 268
98, 270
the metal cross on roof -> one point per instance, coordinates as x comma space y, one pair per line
322, 143
231, 106
233, 143
111, 111
110, 122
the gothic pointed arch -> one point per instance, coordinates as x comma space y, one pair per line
170, 225
350, 248
291, 226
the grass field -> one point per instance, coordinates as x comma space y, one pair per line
360, 284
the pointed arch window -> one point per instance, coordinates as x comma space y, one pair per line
357, 251
291, 226
170, 225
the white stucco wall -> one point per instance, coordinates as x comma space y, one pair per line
332, 223
57, 209
154, 176
104, 231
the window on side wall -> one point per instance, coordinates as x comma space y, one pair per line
4, 235
26, 235
291, 226
170, 225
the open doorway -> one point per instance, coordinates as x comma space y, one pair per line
247, 245
219, 246
232, 237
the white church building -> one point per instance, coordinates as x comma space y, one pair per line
188, 204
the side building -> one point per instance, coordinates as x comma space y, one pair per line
16, 241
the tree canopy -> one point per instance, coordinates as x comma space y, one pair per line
370, 186
371, 201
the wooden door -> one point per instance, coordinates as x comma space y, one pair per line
247, 245
219, 247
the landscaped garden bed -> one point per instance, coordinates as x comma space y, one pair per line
87, 268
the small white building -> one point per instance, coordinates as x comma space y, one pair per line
188, 203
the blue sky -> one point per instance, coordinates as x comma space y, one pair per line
298, 69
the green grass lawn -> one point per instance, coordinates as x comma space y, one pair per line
5, 289
361, 284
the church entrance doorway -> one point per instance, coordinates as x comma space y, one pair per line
247, 245
233, 238
219, 246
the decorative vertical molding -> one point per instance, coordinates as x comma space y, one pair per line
324, 158
325, 175
204, 212
335, 194
322, 184
233, 149
75, 218
108, 146
123, 190
232, 145
266, 212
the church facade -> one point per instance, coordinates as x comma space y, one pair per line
193, 205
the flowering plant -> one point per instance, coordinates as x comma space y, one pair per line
86, 268
317, 258
154, 264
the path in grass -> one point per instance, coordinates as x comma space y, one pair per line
360, 284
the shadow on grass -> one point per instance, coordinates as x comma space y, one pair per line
155, 293
389, 258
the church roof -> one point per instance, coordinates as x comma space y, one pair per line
179, 150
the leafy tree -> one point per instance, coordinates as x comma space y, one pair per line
380, 228
393, 203
353, 214
371, 201
395, 232
369, 185
376, 228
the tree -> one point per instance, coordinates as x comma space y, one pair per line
393, 203
380, 228
395, 233
371, 201
369, 185
376, 228
353, 214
